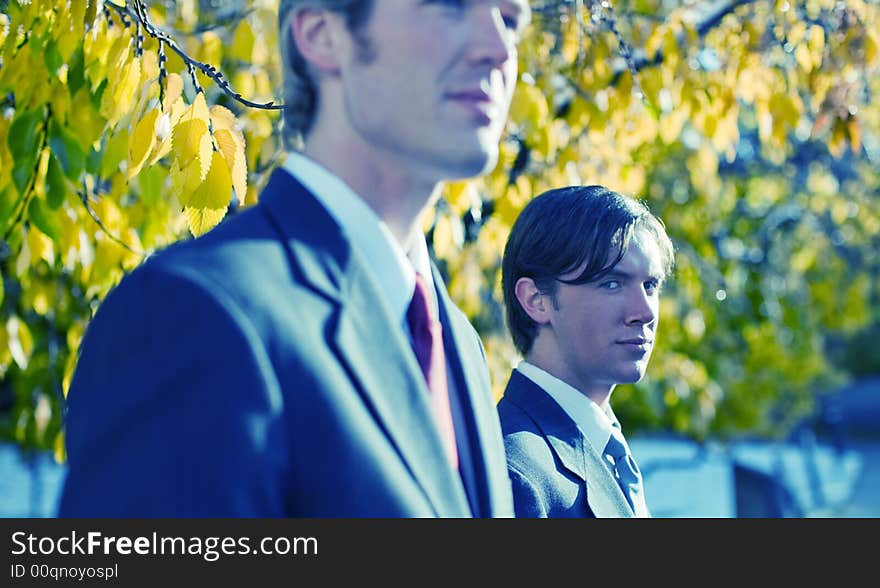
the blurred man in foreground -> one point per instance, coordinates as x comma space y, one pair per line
304, 359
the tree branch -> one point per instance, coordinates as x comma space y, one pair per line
140, 14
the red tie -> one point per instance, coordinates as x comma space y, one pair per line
427, 335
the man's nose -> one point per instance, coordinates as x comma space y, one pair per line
642, 307
491, 40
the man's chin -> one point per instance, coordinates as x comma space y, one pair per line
632, 375
474, 162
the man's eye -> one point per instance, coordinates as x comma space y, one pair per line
652, 286
511, 21
610, 285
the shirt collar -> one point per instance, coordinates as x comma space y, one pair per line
392, 269
594, 421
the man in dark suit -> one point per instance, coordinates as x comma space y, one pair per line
304, 359
581, 276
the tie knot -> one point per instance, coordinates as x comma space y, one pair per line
615, 447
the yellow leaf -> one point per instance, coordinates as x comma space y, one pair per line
20, 341
163, 130
162, 139
216, 190
40, 246
570, 41
223, 118
871, 47
804, 58
655, 40
149, 67
115, 152
173, 91
234, 155
462, 196
117, 102
92, 11
838, 138
199, 109
116, 58
210, 48
84, 121
855, 134
242, 43
190, 137
448, 236
78, 14
190, 141
816, 43
529, 106
202, 220
141, 142
185, 180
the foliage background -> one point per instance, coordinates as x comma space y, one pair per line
752, 128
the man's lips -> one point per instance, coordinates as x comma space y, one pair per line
477, 102
639, 345
476, 96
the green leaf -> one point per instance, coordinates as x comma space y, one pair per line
115, 150
93, 160
76, 74
52, 57
66, 148
98, 96
23, 139
22, 172
6, 204
56, 187
43, 219
151, 180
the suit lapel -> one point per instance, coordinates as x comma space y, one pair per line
366, 339
575, 452
475, 390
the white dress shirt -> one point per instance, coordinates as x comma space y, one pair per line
594, 421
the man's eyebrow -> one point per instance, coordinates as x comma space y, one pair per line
620, 274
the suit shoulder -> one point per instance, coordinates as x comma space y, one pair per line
526, 447
514, 419
245, 257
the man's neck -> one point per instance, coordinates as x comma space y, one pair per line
398, 198
552, 364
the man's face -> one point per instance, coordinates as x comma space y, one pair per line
432, 88
604, 330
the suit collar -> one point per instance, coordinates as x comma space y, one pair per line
594, 421
320, 250
574, 451
365, 337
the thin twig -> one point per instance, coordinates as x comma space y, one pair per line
140, 14
84, 198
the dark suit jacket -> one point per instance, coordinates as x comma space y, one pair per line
254, 372
554, 469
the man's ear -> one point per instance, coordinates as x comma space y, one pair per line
533, 302
313, 33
